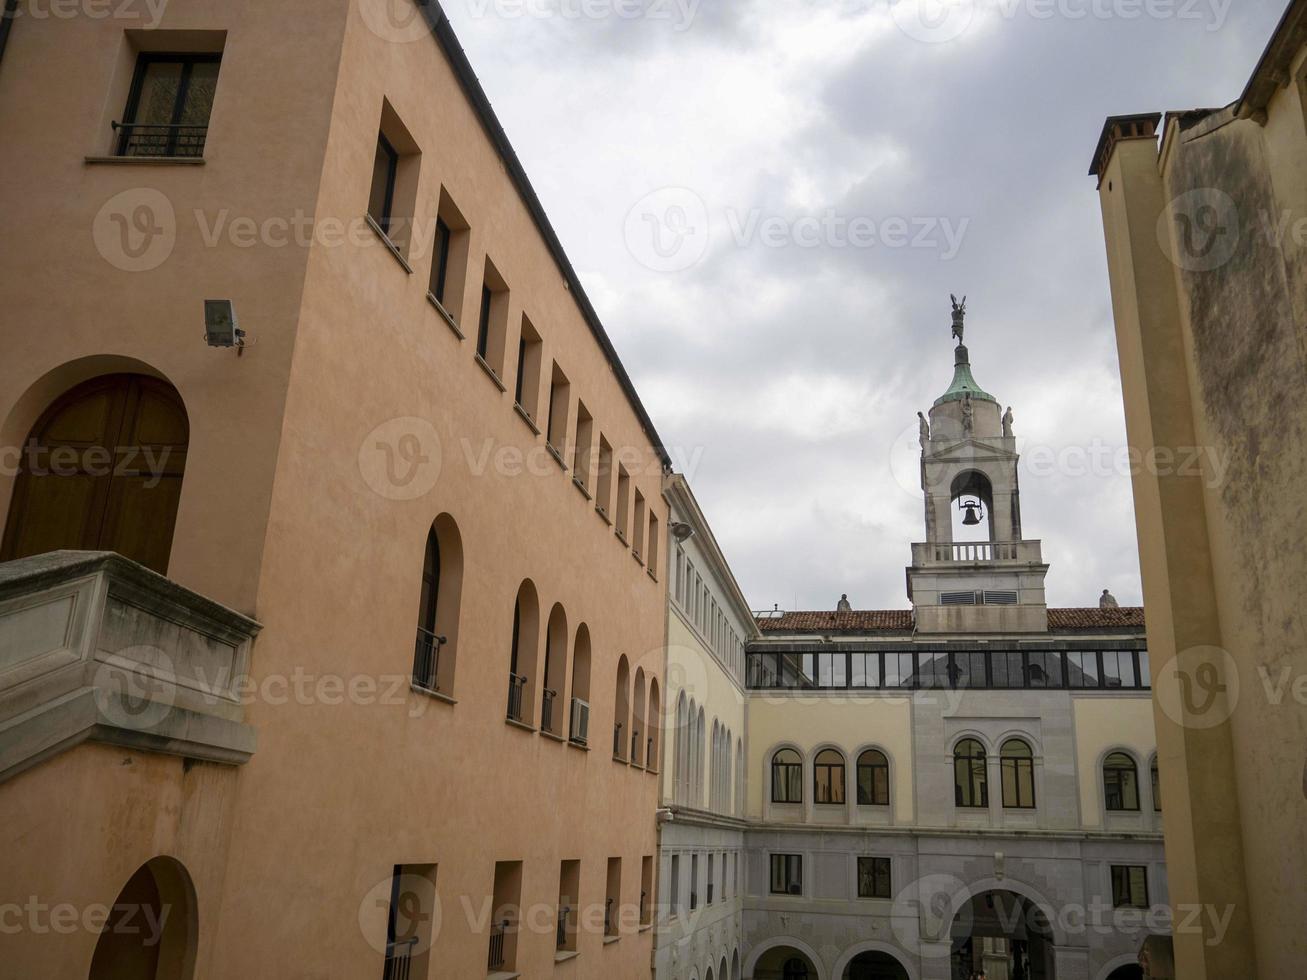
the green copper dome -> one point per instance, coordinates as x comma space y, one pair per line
963, 383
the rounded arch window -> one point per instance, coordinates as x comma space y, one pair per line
873, 778
970, 780
1120, 783
1017, 761
828, 777
786, 777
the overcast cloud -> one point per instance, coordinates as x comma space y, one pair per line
856, 164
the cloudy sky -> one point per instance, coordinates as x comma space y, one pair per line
769, 202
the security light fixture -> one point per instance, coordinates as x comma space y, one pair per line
681, 531
220, 327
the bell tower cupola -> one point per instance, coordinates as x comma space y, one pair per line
974, 573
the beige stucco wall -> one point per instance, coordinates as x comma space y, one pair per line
849, 723
278, 518
1103, 726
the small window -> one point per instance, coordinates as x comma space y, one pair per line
436, 645
873, 779
168, 108
694, 882
787, 874
393, 191
492, 319
449, 255
1129, 886
970, 782
1157, 788
786, 777
604, 478
530, 351
828, 778
654, 530
874, 877
638, 527
623, 516
583, 448
560, 396
674, 885
1018, 769
1120, 783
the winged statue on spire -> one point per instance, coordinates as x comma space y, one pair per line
959, 316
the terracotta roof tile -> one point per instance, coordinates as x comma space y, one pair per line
901, 620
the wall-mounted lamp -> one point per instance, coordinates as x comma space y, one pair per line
220, 327
681, 531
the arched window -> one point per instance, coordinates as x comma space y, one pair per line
436, 645
970, 783
739, 777
1017, 762
637, 720
653, 727
551, 709
681, 761
1120, 783
1157, 786
699, 752
786, 777
795, 969
828, 777
578, 728
522, 654
102, 471
621, 709
873, 778
160, 892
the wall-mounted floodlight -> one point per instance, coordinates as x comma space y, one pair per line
220, 327
681, 531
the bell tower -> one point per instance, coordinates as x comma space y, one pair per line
974, 573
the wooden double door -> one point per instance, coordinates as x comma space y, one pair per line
102, 471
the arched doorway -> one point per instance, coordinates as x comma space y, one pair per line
102, 471
875, 966
1003, 934
784, 963
151, 931
1130, 971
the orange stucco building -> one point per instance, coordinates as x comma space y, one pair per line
395, 582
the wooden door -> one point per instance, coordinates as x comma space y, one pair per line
102, 471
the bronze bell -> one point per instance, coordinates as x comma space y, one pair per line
972, 518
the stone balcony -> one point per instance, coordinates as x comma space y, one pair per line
978, 552
96, 647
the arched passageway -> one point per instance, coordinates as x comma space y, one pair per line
875, 966
1002, 934
784, 963
152, 929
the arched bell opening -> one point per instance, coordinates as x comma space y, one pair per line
972, 499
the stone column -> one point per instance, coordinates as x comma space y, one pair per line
1071, 963
935, 961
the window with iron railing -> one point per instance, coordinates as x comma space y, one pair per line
497, 934
168, 107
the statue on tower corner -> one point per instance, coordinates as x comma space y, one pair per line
968, 415
1007, 423
959, 316
923, 428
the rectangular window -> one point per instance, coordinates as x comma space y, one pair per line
932, 670
1007, 669
638, 527
560, 405
899, 670
654, 541
613, 897
449, 255
968, 670
674, 884
623, 517
168, 107
866, 669
1119, 669
530, 357
874, 877
604, 479
583, 448
646, 890
712, 879
1082, 669
1129, 886
569, 912
408, 922
492, 319
506, 912
393, 192
1044, 668
787, 874
694, 882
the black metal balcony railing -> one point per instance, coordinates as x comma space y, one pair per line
644, 905
608, 918
497, 933
159, 140
547, 710
562, 926
426, 660
399, 959
515, 685
617, 740
649, 754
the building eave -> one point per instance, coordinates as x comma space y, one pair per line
1272, 71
